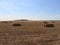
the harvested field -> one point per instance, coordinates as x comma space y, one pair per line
30, 33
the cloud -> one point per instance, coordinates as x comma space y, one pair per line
8, 17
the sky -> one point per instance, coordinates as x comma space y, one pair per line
30, 9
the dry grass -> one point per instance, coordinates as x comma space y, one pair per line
29, 33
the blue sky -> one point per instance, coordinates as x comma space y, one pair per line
30, 9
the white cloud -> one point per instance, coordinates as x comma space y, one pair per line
9, 17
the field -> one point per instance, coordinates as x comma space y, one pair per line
29, 33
